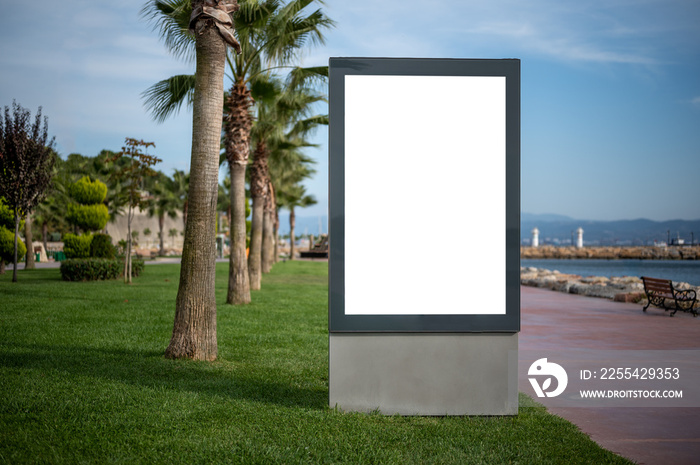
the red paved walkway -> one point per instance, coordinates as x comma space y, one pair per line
554, 320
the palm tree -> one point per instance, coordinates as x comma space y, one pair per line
283, 119
271, 33
194, 330
164, 202
295, 197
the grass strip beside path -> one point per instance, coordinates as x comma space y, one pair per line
83, 380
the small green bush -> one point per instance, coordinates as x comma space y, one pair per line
88, 217
137, 266
93, 269
101, 246
88, 192
7, 246
90, 269
7, 217
77, 246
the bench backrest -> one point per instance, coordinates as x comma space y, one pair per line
658, 285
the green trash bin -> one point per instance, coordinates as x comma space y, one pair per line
38, 256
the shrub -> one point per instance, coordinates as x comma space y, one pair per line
77, 246
101, 246
137, 266
90, 269
7, 246
7, 217
88, 217
88, 192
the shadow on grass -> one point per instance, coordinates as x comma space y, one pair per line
149, 369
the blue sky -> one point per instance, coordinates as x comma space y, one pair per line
610, 89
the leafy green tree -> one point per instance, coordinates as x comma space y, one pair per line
26, 164
132, 175
7, 238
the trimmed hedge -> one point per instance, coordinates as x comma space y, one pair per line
88, 192
101, 246
77, 246
88, 217
92, 269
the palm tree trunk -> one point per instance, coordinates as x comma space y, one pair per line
256, 239
45, 236
194, 330
161, 220
238, 279
292, 221
268, 239
237, 142
258, 192
29, 261
269, 242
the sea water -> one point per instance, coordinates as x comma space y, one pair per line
686, 271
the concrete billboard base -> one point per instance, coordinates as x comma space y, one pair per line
424, 373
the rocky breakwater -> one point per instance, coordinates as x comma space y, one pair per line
611, 253
621, 289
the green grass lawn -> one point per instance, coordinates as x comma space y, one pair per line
83, 380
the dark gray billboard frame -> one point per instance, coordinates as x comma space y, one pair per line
339, 321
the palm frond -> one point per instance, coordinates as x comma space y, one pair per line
165, 98
171, 19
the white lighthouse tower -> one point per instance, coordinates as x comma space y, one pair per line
535, 237
579, 238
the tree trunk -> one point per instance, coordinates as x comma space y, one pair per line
45, 236
268, 240
292, 221
256, 238
161, 221
194, 330
238, 279
2, 266
237, 143
258, 192
14, 270
127, 256
29, 261
268, 245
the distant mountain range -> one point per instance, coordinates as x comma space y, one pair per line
559, 229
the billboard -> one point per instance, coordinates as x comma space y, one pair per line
424, 195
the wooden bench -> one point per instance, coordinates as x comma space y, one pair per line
319, 250
660, 290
